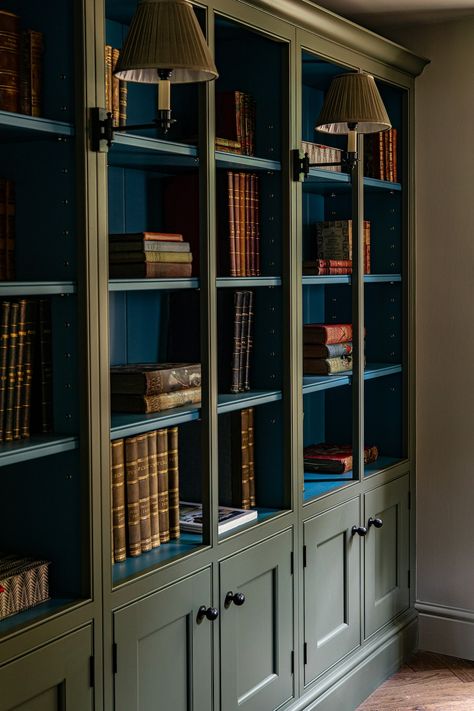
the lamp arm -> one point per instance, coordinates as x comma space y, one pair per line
301, 164
103, 129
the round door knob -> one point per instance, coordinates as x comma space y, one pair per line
377, 522
360, 530
236, 598
210, 613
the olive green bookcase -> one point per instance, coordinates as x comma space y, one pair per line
327, 613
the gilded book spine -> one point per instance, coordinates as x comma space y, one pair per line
4, 333
231, 208
46, 365
30, 329
11, 371
257, 225
153, 479
244, 444
248, 236
133, 497
251, 457
123, 100
173, 482
115, 89
31, 72
237, 341
237, 226
243, 246
20, 369
243, 339
117, 462
10, 39
144, 492
248, 342
108, 78
163, 501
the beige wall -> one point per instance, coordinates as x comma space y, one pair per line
445, 334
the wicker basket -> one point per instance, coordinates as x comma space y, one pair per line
23, 584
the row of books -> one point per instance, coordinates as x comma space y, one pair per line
149, 255
242, 341
116, 90
25, 368
235, 121
21, 52
153, 387
24, 583
244, 223
325, 458
7, 229
327, 348
380, 151
334, 248
318, 153
145, 492
243, 458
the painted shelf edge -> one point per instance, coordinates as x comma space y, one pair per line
33, 288
343, 179
316, 485
35, 447
153, 284
237, 282
38, 614
317, 383
128, 424
235, 160
32, 124
252, 398
264, 514
332, 280
157, 145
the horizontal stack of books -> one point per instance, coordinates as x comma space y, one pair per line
153, 387
145, 492
191, 517
327, 348
7, 229
235, 122
242, 341
116, 90
25, 368
318, 153
21, 53
334, 458
149, 255
334, 248
380, 151
24, 583
244, 223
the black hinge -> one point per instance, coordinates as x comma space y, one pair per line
304, 556
292, 663
91, 672
409, 500
114, 658
291, 564
408, 578
305, 653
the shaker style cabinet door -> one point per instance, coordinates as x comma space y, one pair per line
256, 625
53, 678
164, 652
331, 587
386, 553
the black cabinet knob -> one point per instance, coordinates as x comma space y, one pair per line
210, 613
360, 530
377, 522
236, 598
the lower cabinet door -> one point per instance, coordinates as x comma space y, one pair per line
53, 678
257, 629
164, 654
387, 555
331, 587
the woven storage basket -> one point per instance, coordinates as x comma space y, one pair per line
23, 584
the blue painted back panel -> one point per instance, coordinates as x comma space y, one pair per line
269, 455
384, 415
383, 321
384, 210
328, 416
66, 364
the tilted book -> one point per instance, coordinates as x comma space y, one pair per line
173, 482
324, 333
153, 482
155, 403
334, 458
163, 495
327, 366
244, 329
117, 480
191, 517
144, 492
133, 497
154, 378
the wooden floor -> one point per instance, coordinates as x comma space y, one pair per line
428, 682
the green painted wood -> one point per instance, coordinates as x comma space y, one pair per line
53, 678
386, 554
256, 638
331, 587
163, 653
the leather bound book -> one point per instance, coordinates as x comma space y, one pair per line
173, 482
31, 72
20, 368
395, 154
248, 341
117, 480
4, 335
145, 256
237, 225
334, 458
163, 498
237, 341
240, 460
150, 270
115, 89
230, 193
108, 79
123, 101
155, 403
243, 230
257, 226
144, 492
228, 116
46, 365
144, 237
10, 40
154, 378
30, 328
324, 333
144, 247
248, 247
11, 371
327, 350
251, 456
326, 366
251, 188
153, 482
243, 354
133, 497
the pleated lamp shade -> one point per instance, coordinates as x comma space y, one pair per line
353, 99
165, 34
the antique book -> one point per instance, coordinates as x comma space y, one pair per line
150, 256
228, 124
31, 70
163, 496
327, 366
20, 368
237, 225
143, 247
242, 231
334, 458
45, 365
11, 371
123, 101
232, 251
191, 517
4, 336
153, 483
150, 270
30, 328
173, 482
155, 403
117, 480
248, 244
248, 341
394, 135
237, 342
334, 241
244, 333
251, 456
144, 492
228, 145
133, 497
115, 88
143, 237
327, 333
251, 222
240, 460
10, 40
332, 350
257, 224
108, 79
154, 378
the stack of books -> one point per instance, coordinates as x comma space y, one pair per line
21, 53
327, 348
145, 492
116, 90
154, 387
25, 368
242, 341
380, 151
334, 249
235, 122
334, 458
24, 583
191, 517
149, 255
318, 153
243, 223
7, 229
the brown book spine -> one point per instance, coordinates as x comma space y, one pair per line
239, 119
20, 368
163, 500
133, 497
248, 258
137, 380
257, 226
108, 79
123, 101
153, 479
31, 72
117, 480
4, 335
46, 365
237, 341
244, 444
173, 482
395, 154
144, 492
30, 328
381, 156
11, 371
248, 342
243, 339
231, 210
150, 270
243, 258
115, 89
9, 230
252, 223
237, 225
251, 457
10, 41
155, 403
25, 74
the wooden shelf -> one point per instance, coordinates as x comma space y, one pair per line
251, 398
332, 280
318, 383
35, 447
20, 127
36, 288
35, 614
127, 424
235, 160
153, 284
238, 282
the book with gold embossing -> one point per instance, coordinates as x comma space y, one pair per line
173, 482
4, 336
30, 336
155, 403
20, 368
11, 371
10, 38
154, 378
31, 72
153, 483
133, 497
117, 463
163, 497
144, 492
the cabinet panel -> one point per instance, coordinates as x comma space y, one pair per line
163, 652
54, 678
331, 587
386, 554
256, 637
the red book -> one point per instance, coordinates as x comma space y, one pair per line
334, 458
327, 333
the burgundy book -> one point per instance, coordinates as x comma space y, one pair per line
324, 333
334, 458
243, 231
237, 342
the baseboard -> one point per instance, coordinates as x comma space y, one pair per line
446, 630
